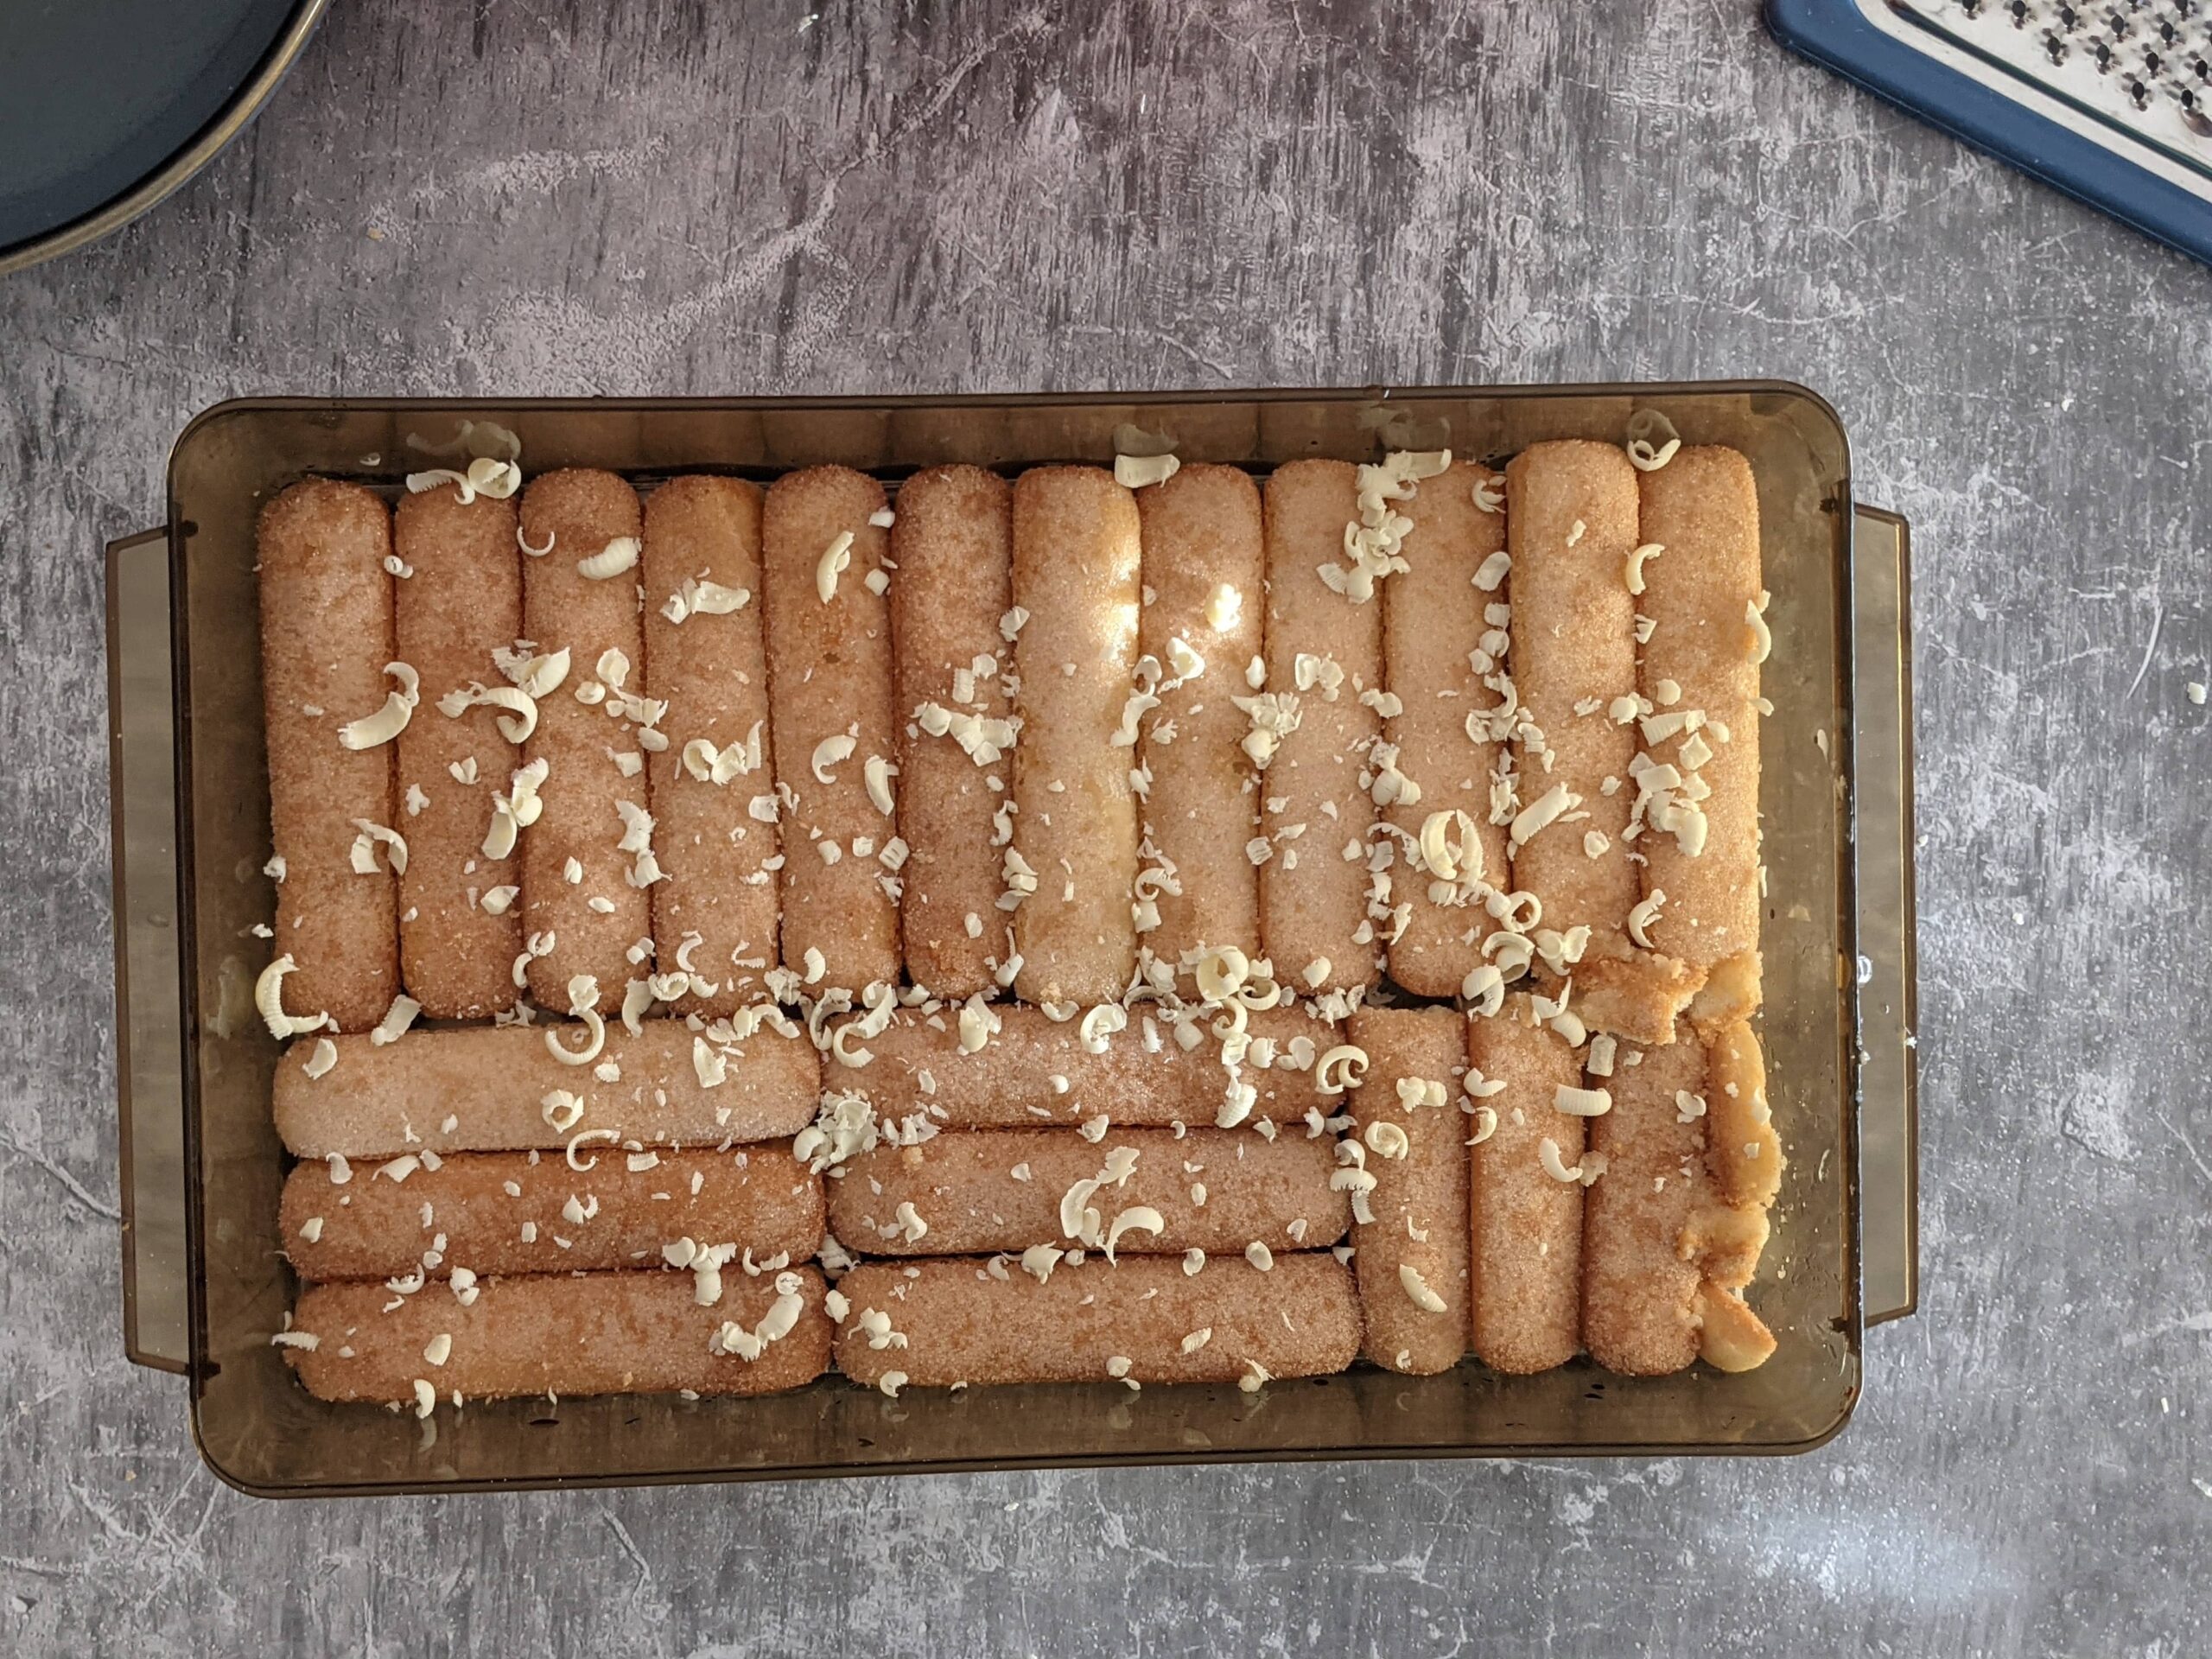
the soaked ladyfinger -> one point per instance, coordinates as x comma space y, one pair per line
1698, 582
325, 636
1142, 1192
459, 601
1411, 1259
1073, 861
497, 1088
561, 1334
1142, 1319
503, 1213
1525, 1192
1444, 618
829, 682
951, 597
715, 915
1317, 736
1205, 600
1571, 527
586, 856
1673, 1227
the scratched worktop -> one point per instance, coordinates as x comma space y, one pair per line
635, 198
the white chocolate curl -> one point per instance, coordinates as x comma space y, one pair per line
390, 720
269, 999
617, 557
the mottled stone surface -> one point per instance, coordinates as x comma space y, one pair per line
585, 198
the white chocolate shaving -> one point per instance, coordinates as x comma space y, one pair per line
400, 1015
1387, 1140
613, 560
829, 751
1134, 472
269, 1000
878, 773
1417, 1288
1341, 1068
1581, 1103
835, 560
390, 720
1761, 640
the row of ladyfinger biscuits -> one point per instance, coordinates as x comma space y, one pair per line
1502, 1250
947, 710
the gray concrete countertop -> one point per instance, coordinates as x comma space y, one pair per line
549, 198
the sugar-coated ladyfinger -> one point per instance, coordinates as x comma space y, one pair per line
460, 600
503, 1213
585, 855
1442, 618
1031, 1070
1639, 1292
325, 636
1204, 599
1571, 526
1142, 1319
714, 917
1145, 1191
1700, 679
1323, 650
500, 1088
829, 683
1412, 1260
951, 599
1073, 862
561, 1334
1527, 1265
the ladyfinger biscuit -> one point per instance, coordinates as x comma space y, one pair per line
829, 683
1744, 1153
1527, 1265
561, 1334
460, 601
953, 545
504, 1212
487, 1089
1033, 1070
1700, 836
1743, 1157
969, 1193
1437, 615
588, 853
325, 636
714, 917
1571, 526
1639, 1292
1411, 1260
1204, 591
1145, 1320
1323, 649
1074, 857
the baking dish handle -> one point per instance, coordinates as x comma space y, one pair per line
149, 1024
1889, 1080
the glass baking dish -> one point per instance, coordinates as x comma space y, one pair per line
205, 1284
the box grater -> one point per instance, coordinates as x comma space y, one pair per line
2110, 100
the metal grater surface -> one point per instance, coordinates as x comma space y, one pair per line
2134, 75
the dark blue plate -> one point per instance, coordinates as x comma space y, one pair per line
105, 105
